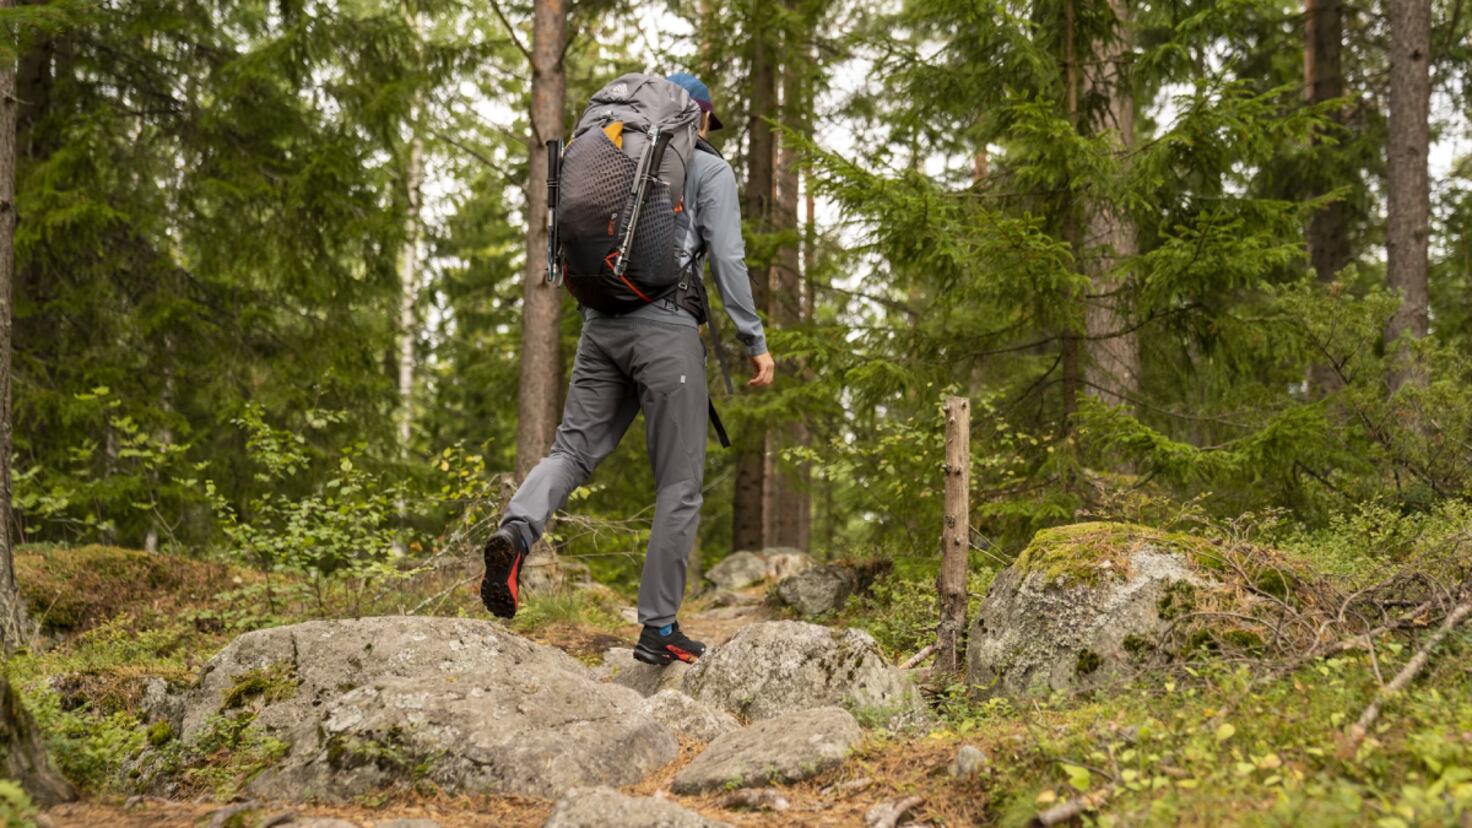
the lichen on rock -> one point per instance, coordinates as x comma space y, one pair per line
1087, 604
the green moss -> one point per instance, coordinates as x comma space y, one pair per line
1274, 582
1242, 640
1088, 662
1179, 599
160, 733
69, 590
1087, 552
269, 684
1136, 645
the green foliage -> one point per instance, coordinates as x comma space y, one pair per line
345, 527
16, 810
229, 752
594, 608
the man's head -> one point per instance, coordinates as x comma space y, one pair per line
701, 93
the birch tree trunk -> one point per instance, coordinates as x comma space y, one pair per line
1408, 200
408, 296
955, 540
541, 360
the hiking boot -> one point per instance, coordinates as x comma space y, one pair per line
661, 645
498, 587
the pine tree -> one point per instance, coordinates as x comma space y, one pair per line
748, 514
541, 362
1407, 187
15, 630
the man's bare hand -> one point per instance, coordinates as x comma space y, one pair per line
762, 371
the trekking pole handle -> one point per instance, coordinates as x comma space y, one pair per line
554, 175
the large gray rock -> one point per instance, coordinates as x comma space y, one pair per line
786, 749
604, 808
776, 667
738, 570
620, 667
688, 717
785, 561
1079, 607
819, 590
368, 703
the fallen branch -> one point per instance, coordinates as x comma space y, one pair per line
915, 659
1407, 674
887, 814
754, 799
1076, 807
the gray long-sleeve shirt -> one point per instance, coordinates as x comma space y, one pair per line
715, 231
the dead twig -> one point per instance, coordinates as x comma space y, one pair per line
1076, 807
914, 660
887, 814
1407, 674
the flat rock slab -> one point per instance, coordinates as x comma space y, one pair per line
737, 570
786, 749
620, 667
377, 702
603, 807
689, 718
775, 667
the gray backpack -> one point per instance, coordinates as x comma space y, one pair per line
616, 195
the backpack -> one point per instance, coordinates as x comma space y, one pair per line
618, 214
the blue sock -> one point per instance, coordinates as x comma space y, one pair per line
666, 630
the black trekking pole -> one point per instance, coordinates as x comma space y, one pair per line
648, 171
554, 175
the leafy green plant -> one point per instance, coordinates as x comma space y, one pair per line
16, 810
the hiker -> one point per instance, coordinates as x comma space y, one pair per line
645, 353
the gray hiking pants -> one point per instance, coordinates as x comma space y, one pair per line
622, 366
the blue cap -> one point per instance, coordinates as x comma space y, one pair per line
699, 92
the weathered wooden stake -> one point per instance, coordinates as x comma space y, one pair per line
955, 539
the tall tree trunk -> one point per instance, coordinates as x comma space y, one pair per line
955, 540
22, 753
1328, 229
1323, 80
408, 295
1068, 346
15, 628
747, 515
1112, 370
1408, 201
790, 503
541, 360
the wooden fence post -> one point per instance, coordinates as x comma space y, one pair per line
955, 540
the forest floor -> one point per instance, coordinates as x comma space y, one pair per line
1156, 747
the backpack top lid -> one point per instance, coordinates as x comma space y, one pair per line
641, 101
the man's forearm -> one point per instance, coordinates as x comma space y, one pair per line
735, 287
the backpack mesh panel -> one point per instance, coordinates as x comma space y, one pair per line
596, 176
591, 217
652, 261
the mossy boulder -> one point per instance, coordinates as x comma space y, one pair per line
69, 590
1087, 604
459, 705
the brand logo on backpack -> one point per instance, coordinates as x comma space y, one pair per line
627, 160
